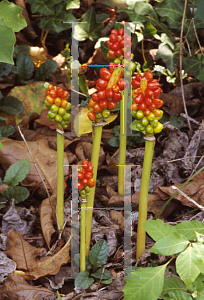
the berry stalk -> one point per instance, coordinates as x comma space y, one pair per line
90, 197
83, 237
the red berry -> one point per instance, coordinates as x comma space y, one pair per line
149, 93
138, 77
121, 32
139, 98
114, 31
102, 83
135, 83
97, 108
113, 38
109, 93
95, 97
115, 46
117, 96
111, 53
88, 175
148, 75
118, 52
111, 105
80, 175
105, 73
80, 185
142, 106
103, 103
157, 92
59, 92
102, 94
91, 182
92, 116
148, 100
122, 84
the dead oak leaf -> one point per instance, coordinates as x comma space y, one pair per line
21, 251
50, 265
17, 288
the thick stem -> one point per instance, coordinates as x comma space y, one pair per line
83, 237
143, 200
90, 198
123, 138
60, 180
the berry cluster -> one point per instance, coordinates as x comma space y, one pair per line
118, 44
146, 104
106, 98
58, 106
85, 178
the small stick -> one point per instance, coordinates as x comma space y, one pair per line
188, 198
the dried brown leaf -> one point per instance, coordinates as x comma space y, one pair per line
47, 217
21, 251
17, 288
51, 265
193, 189
3, 187
46, 160
38, 54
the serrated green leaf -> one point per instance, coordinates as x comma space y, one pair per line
55, 22
73, 4
169, 56
157, 229
25, 66
46, 70
11, 105
114, 141
188, 265
17, 172
188, 228
82, 279
91, 29
193, 65
101, 274
83, 85
144, 282
19, 193
172, 284
179, 295
107, 281
176, 121
6, 131
7, 40
200, 250
170, 244
11, 15
99, 254
45, 7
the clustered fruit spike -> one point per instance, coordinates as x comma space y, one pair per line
119, 43
59, 107
105, 99
85, 178
146, 104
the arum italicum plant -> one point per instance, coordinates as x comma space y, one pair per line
145, 110
59, 107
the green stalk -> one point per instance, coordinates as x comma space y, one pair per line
60, 180
90, 197
123, 139
83, 236
143, 200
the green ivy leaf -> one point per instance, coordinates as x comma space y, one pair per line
149, 29
193, 65
91, 29
46, 70
157, 229
55, 21
101, 274
114, 141
172, 283
11, 105
5, 69
199, 11
99, 254
176, 121
142, 281
170, 244
17, 172
25, 66
82, 279
44, 7
102, 17
143, 8
188, 228
19, 193
6, 131
188, 265
169, 56
73, 4
11, 15
7, 40
201, 75
107, 281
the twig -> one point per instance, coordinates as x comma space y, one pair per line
191, 119
35, 164
201, 50
188, 198
183, 158
180, 64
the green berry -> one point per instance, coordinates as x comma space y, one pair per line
68, 108
67, 117
61, 111
139, 114
144, 121
51, 114
58, 118
54, 108
149, 129
151, 116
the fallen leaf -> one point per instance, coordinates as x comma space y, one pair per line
45, 158
60, 60
3, 187
50, 265
117, 218
48, 217
17, 288
21, 251
32, 97
193, 189
38, 55
6, 266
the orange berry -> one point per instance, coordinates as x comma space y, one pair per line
64, 103
49, 99
57, 101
